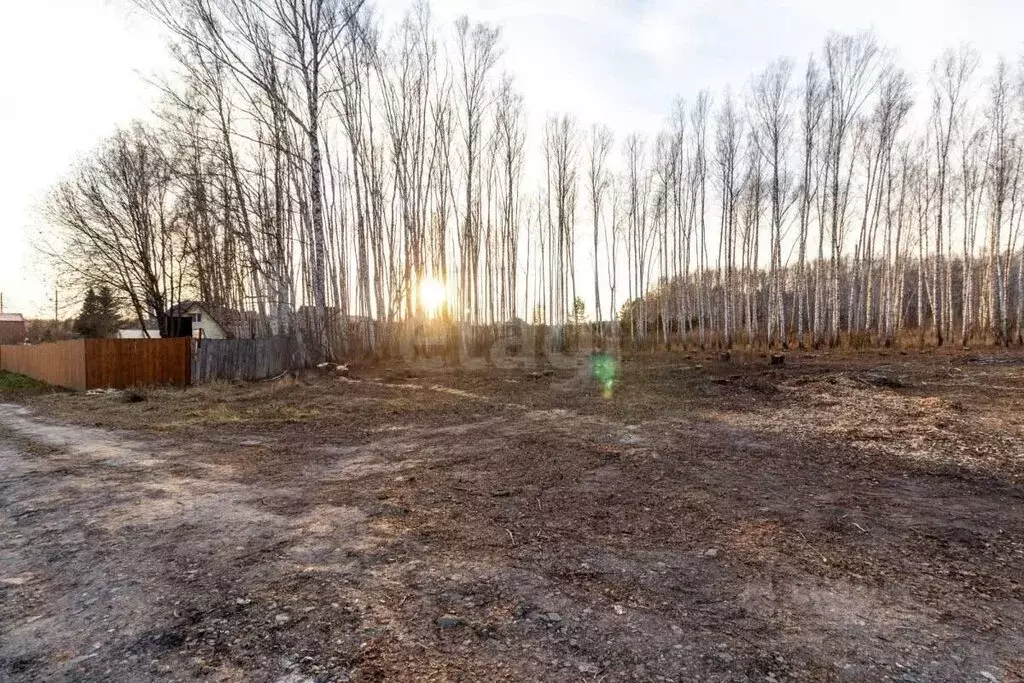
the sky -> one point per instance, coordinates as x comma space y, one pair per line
73, 70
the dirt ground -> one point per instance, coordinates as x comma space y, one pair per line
842, 518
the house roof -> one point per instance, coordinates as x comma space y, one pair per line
11, 318
218, 315
184, 307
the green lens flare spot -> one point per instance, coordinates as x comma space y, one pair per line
604, 368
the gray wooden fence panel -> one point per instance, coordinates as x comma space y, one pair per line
244, 359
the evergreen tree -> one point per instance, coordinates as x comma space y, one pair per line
85, 324
99, 316
107, 318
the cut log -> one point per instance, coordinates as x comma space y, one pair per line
778, 359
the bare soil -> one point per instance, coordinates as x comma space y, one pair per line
852, 517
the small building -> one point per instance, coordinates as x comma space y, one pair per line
13, 328
204, 324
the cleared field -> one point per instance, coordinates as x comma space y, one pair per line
843, 518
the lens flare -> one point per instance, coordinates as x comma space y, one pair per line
603, 368
433, 296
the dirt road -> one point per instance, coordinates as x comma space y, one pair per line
112, 554
449, 533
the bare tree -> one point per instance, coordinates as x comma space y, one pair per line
951, 74
812, 114
1002, 167
598, 181
729, 134
120, 225
850, 65
772, 96
477, 55
891, 113
511, 135
699, 120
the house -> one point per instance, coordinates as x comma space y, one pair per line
13, 328
207, 322
204, 324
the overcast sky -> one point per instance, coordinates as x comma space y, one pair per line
72, 70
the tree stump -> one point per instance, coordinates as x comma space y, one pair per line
778, 360
725, 356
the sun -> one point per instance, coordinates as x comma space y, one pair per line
433, 296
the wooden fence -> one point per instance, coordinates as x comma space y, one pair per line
245, 359
60, 363
103, 363
122, 363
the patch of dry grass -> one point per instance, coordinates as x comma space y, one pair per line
938, 411
236, 405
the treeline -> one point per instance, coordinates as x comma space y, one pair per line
667, 316
315, 165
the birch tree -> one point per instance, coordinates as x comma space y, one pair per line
598, 181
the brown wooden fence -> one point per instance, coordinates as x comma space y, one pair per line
103, 363
60, 363
122, 363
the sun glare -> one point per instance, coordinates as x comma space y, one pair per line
432, 296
